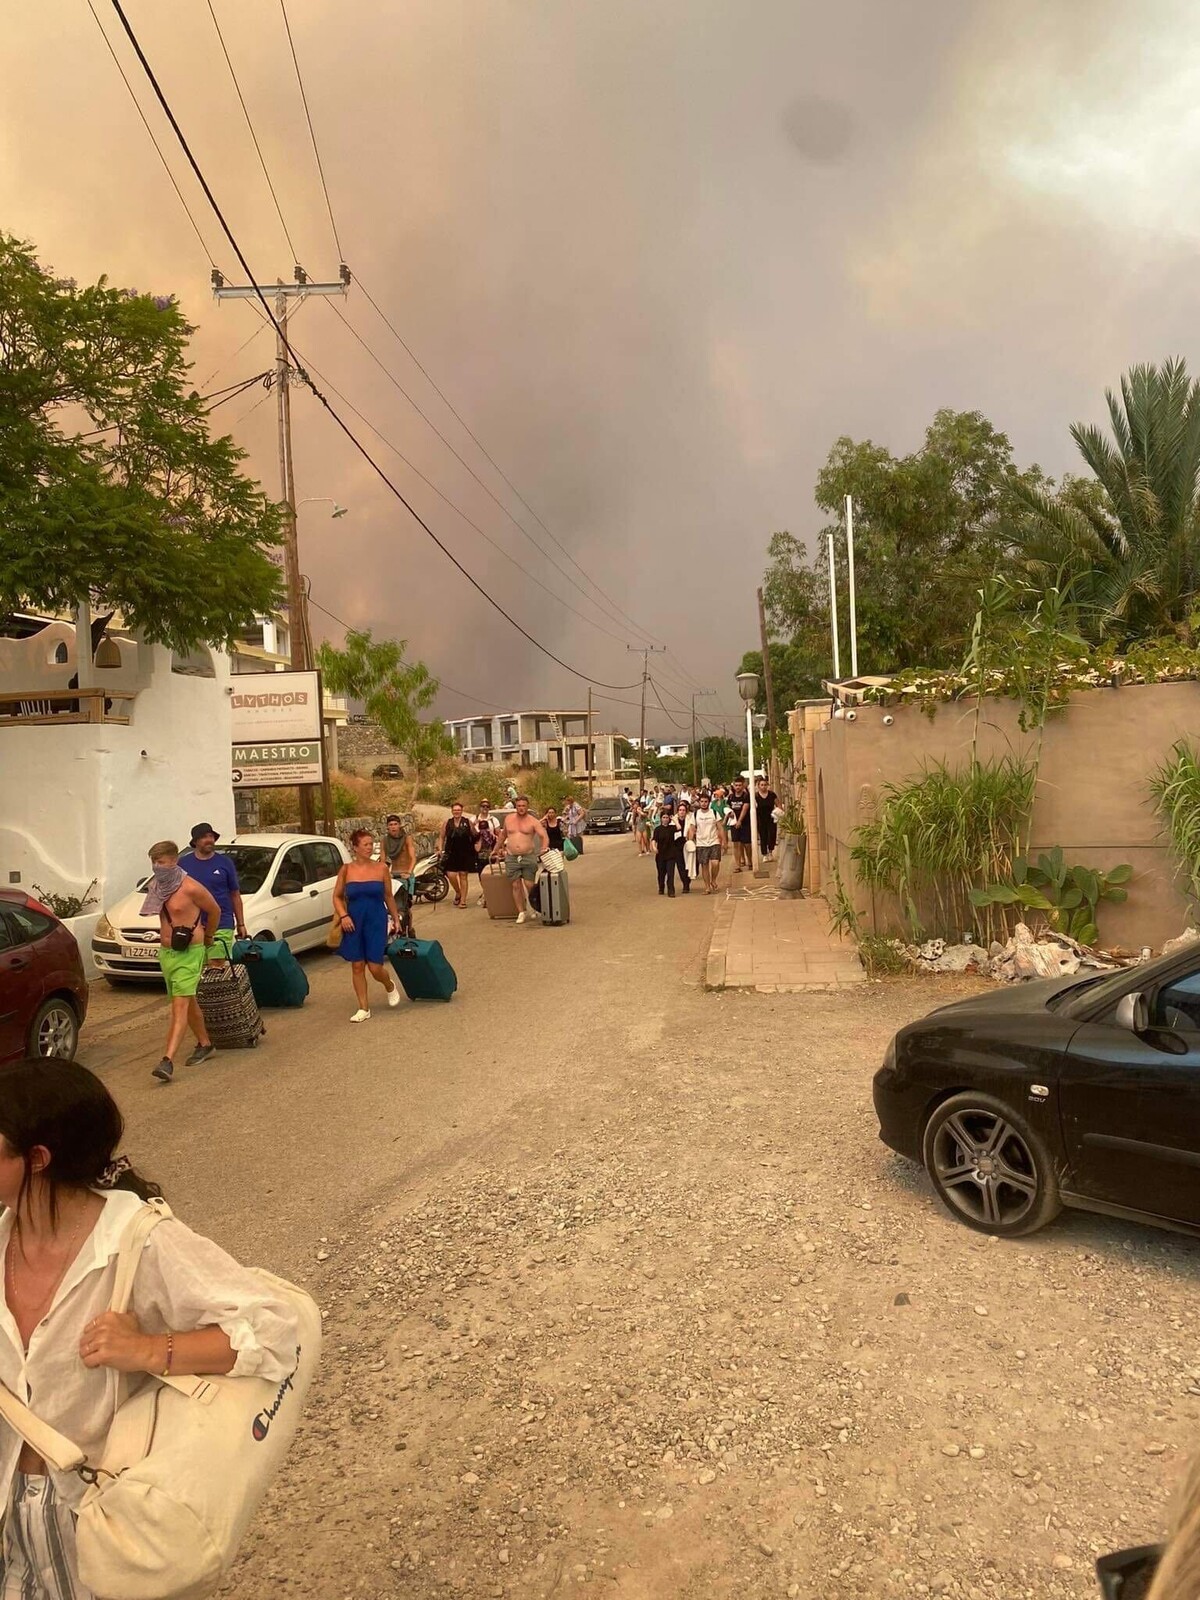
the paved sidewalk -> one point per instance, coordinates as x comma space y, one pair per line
773, 945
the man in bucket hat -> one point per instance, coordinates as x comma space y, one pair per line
218, 874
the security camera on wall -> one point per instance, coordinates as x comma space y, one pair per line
852, 716
888, 720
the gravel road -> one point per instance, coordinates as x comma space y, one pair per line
624, 1295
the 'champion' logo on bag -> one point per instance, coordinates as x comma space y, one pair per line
262, 1422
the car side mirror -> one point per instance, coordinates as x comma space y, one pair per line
288, 886
1133, 1013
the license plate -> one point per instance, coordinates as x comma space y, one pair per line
139, 952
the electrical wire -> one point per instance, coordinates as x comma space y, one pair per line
245, 112
302, 374
620, 613
681, 726
153, 139
312, 131
245, 344
457, 509
231, 393
395, 382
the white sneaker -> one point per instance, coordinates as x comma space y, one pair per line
521, 915
393, 996
361, 1016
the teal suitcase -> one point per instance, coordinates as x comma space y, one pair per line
422, 969
276, 977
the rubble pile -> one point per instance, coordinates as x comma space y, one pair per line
1045, 954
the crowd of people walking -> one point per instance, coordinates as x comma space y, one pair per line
688, 832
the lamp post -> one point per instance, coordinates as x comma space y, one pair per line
747, 683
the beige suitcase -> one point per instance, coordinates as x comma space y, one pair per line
498, 895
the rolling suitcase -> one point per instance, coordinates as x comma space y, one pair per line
498, 895
422, 969
228, 1006
555, 899
276, 977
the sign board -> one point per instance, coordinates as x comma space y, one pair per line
276, 729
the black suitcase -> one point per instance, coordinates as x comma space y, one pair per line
228, 1006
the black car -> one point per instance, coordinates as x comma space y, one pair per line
1073, 1092
387, 769
605, 815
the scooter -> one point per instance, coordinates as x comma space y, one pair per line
430, 882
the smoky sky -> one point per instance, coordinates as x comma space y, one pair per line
659, 254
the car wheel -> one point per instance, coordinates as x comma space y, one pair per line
55, 1031
265, 937
989, 1168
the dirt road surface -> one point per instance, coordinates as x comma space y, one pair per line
624, 1297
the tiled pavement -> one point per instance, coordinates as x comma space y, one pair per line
774, 945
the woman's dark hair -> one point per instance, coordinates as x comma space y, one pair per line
66, 1108
360, 833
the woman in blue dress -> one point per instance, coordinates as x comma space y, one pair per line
364, 902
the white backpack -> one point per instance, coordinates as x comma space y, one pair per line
186, 1461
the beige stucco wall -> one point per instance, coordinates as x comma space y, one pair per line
1092, 796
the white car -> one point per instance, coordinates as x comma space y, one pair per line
287, 893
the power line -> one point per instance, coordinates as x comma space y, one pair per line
302, 374
245, 112
681, 726
261, 328
312, 132
230, 393
471, 523
395, 382
448, 403
153, 140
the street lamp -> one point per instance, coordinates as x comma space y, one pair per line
747, 683
326, 500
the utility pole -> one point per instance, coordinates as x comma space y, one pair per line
695, 774
645, 651
766, 661
297, 601
591, 756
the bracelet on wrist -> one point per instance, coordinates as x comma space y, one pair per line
166, 1371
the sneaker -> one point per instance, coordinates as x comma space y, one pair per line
201, 1053
535, 916
164, 1071
521, 915
394, 995
670, 894
361, 1016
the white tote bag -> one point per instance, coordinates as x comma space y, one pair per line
186, 1461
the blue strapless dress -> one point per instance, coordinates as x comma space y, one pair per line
369, 912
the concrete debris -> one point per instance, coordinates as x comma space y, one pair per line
1188, 937
1026, 955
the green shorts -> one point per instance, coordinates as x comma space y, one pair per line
525, 867
222, 945
182, 969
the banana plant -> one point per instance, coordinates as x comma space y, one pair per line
1067, 895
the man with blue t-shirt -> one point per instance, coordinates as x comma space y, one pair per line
205, 863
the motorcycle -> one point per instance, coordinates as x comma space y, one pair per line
429, 881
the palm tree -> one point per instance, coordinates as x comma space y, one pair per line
1129, 539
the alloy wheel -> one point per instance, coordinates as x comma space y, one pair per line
985, 1168
56, 1032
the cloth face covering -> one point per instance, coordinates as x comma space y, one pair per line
167, 880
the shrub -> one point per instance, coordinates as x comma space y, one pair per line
345, 802
66, 905
942, 834
1175, 786
278, 808
546, 786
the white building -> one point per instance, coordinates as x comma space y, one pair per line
673, 749
101, 757
529, 738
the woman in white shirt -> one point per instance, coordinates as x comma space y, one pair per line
193, 1310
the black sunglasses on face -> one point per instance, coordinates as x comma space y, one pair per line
1128, 1574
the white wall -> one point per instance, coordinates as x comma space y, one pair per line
85, 800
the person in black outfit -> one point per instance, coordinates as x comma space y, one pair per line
765, 801
553, 827
668, 852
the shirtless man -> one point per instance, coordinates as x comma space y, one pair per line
524, 840
179, 902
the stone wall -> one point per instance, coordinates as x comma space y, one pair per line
361, 746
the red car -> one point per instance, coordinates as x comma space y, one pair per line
43, 992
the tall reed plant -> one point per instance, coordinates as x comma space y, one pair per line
943, 833
1175, 786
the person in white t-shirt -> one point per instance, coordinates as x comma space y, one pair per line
707, 833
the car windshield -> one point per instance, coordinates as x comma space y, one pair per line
606, 805
253, 862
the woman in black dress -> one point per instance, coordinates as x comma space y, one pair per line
458, 853
765, 802
553, 827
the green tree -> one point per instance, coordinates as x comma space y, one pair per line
723, 758
111, 488
392, 691
929, 529
1128, 539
